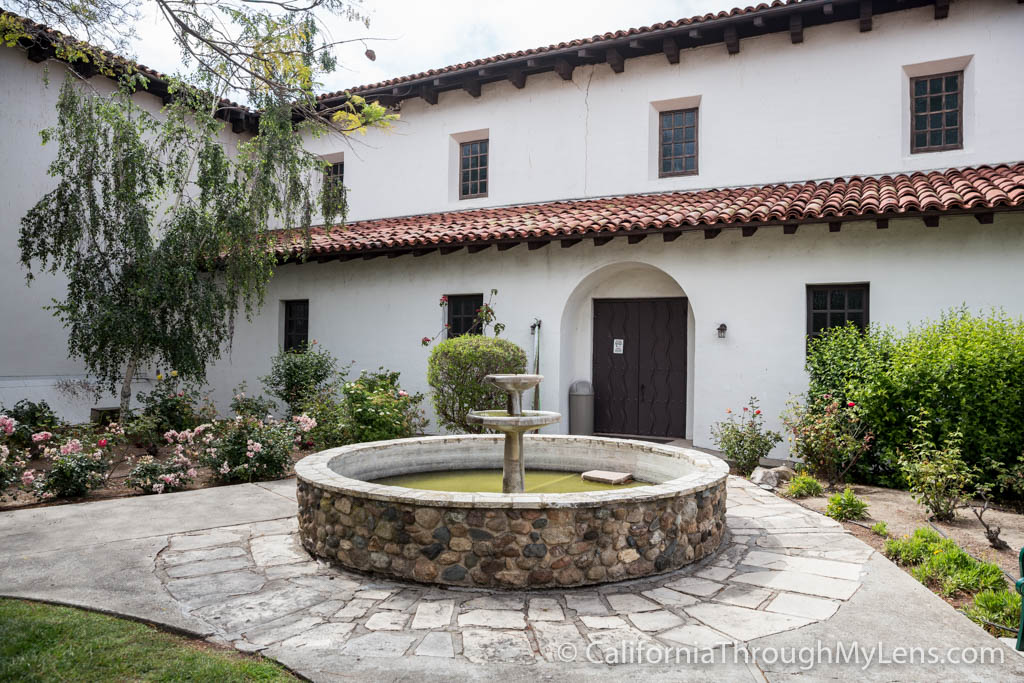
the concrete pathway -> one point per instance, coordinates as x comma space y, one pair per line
789, 594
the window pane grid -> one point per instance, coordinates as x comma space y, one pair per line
335, 174
473, 166
936, 112
677, 142
836, 305
296, 324
462, 310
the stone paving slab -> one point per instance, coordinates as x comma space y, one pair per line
247, 583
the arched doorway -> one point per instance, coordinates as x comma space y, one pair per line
628, 329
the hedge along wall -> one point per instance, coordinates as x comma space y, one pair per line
963, 372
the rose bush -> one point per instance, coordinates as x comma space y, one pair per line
373, 407
298, 374
29, 418
153, 476
12, 458
172, 404
251, 406
243, 449
743, 438
75, 469
828, 436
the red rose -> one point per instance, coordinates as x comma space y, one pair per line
102, 443
757, 412
850, 404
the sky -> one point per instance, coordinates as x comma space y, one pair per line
410, 36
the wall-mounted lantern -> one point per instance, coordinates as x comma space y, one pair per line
721, 331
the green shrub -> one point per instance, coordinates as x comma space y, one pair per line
250, 406
912, 550
171, 404
30, 418
938, 477
828, 436
965, 370
803, 486
846, 506
456, 372
942, 564
743, 438
299, 374
1000, 606
378, 408
880, 529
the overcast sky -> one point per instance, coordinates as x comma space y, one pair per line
416, 35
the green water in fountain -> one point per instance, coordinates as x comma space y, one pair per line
489, 481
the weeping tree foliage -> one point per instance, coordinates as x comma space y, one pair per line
163, 226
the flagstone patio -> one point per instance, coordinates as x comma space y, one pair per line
784, 577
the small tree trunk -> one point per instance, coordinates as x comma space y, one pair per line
126, 390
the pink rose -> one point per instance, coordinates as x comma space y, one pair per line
27, 477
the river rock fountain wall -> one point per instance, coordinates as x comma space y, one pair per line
511, 540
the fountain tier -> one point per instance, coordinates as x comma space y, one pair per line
511, 540
513, 423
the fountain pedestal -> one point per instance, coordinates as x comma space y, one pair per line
513, 424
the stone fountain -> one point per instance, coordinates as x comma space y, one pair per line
510, 540
513, 423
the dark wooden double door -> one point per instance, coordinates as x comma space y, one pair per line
640, 366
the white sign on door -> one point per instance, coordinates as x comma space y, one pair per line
617, 346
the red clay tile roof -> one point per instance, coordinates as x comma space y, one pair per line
888, 196
579, 42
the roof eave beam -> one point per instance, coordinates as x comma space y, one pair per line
866, 12
671, 49
732, 40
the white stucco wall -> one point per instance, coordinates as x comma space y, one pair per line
835, 105
375, 312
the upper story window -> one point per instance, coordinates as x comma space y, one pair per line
473, 160
462, 310
834, 306
936, 112
296, 324
335, 174
678, 143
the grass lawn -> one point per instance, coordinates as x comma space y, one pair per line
41, 642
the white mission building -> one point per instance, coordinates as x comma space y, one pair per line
678, 205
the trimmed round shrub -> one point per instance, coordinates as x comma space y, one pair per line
456, 372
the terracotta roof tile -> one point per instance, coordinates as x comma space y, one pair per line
959, 188
578, 42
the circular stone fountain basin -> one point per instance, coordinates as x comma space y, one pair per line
511, 540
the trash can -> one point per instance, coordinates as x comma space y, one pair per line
581, 408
